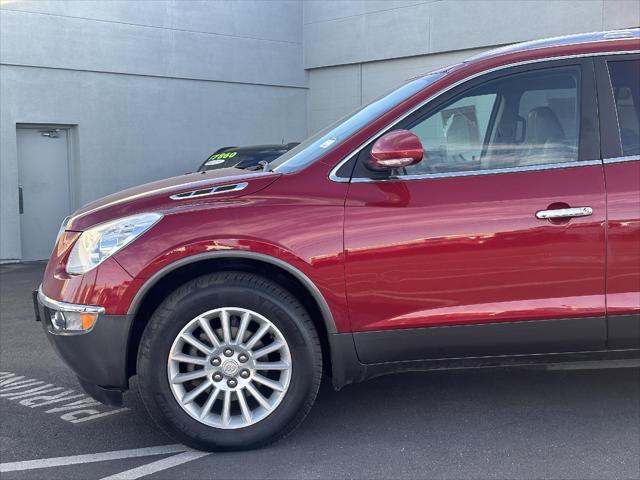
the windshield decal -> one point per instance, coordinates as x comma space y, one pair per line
217, 156
328, 142
214, 162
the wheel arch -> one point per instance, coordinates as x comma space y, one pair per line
151, 294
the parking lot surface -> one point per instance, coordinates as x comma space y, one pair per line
576, 423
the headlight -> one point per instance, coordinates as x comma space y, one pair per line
100, 242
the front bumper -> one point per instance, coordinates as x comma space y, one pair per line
98, 356
53, 306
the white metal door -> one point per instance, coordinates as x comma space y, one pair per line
43, 162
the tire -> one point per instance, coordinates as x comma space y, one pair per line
239, 294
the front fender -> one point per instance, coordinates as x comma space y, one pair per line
311, 287
305, 240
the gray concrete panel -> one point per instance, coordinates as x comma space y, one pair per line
248, 18
134, 129
338, 33
336, 91
620, 14
466, 24
73, 43
333, 92
327, 10
371, 36
377, 77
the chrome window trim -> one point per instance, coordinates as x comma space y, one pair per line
334, 178
473, 173
628, 158
211, 191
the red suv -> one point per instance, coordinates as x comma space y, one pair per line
484, 214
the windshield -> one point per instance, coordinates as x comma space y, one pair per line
317, 145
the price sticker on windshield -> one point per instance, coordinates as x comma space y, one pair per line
222, 156
214, 162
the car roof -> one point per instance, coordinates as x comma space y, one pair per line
565, 40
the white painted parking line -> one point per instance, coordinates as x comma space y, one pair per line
94, 416
158, 466
91, 457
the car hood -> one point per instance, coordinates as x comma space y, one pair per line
155, 196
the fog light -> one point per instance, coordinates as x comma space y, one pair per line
72, 321
58, 321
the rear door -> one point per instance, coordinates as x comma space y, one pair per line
619, 99
456, 256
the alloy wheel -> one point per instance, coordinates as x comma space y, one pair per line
229, 368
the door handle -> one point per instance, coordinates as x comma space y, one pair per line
20, 200
564, 213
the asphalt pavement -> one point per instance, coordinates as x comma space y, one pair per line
555, 423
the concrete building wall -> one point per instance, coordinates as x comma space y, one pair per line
152, 87
356, 50
337, 90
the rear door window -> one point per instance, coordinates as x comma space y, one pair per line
625, 81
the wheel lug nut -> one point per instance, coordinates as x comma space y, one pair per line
228, 352
232, 382
216, 362
217, 377
245, 373
243, 357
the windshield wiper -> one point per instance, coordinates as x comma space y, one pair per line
265, 165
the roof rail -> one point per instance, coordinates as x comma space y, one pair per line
559, 41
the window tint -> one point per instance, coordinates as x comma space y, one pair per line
520, 120
625, 80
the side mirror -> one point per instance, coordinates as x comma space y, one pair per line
396, 149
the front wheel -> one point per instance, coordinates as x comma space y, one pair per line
229, 361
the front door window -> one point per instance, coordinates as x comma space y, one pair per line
522, 120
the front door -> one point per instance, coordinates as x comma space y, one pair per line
43, 188
462, 254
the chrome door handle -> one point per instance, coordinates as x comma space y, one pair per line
564, 213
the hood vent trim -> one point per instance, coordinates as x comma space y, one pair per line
205, 192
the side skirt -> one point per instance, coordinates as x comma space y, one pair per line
624, 331
477, 346
483, 339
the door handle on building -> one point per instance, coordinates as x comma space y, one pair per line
20, 201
